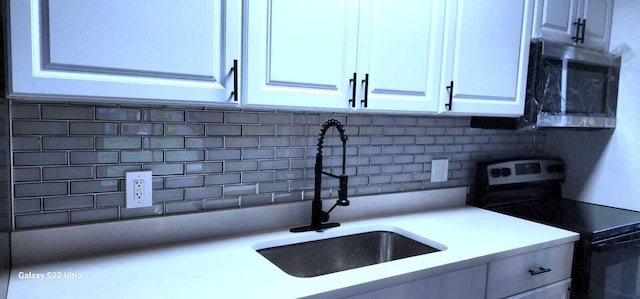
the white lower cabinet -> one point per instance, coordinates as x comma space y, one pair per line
466, 283
529, 271
558, 290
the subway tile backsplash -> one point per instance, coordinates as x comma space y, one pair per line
69, 160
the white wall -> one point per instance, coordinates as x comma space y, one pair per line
603, 166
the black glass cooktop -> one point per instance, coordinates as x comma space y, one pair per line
593, 222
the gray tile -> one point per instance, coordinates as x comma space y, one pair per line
27, 206
67, 143
231, 166
402, 159
205, 167
27, 174
165, 169
25, 111
164, 115
40, 189
163, 142
122, 114
99, 157
39, 128
290, 153
435, 131
67, 112
185, 181
413, 167
369, 150
255, 200
93, 128
445, 122
229, 190
115, 171
258, 130
222, 203
241, 118
258, 154
68, 202
221, 155
205, 116
141, 156
26, 143
184, 156
142, 129
67, 173
153, 210
42, 220
184, 130
202, 193
380, 179
223, 130
118, 143
277, 118
264, 187
222, 179
285, 130
94, 215
242, 142
255, 177
280, 141
184, 206
167, 195
110, 199
204, 142
94, 186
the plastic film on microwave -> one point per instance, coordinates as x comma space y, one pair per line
571, 91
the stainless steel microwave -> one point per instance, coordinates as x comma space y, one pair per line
567, 87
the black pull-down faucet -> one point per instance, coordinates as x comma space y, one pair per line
318, 216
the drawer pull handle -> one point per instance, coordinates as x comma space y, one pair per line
540, 270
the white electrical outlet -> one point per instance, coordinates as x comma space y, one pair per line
138, 189
439, 170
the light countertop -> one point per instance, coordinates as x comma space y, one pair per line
231, 268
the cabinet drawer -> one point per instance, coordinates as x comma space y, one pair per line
527, 271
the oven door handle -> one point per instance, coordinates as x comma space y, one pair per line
613, 245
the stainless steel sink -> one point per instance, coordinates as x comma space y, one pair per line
318, 257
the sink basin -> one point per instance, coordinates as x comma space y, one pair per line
329, 255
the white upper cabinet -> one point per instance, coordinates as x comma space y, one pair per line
583, 22
344, 54
486, 57
150, 50
301, 53
400, 54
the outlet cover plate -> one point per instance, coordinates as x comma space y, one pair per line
144, 198
439, 170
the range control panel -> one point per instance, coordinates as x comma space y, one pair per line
524, 171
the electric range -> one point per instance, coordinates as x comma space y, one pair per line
607, 256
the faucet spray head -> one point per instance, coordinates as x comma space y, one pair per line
342, 191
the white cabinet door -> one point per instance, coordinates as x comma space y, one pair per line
147, 49
400, 51
599, 14
554, 19
301, 53
487, 57
558, 290
466, 283
558, 19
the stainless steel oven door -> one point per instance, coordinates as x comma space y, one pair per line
615, 264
